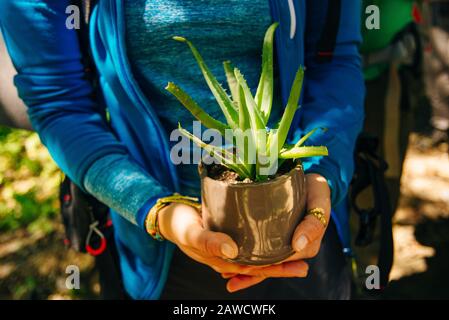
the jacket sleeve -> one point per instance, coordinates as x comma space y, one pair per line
334, 95
52, 83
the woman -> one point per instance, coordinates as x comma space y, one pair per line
127, 166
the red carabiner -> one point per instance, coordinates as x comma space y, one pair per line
95, 252
99, 250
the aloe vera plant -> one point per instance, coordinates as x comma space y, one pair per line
245, 112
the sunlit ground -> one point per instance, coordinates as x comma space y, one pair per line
33, 257
420, 229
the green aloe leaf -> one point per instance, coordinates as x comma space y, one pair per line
244, 120
307, 136
255, 118
245, 125
254, 113
247, 115
219, 93
232, 82
195, 109
264, 93
281, 133
303, 152
226, 158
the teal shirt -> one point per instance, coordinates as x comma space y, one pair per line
220, 29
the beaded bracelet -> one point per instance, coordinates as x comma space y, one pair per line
151, 221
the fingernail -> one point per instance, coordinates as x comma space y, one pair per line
229, 287
228, 251
301, 243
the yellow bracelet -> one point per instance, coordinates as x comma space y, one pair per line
319, 214
151, 221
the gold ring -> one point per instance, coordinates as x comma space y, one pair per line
319, 214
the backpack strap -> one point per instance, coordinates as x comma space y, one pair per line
86, 220
87, 6
328, 40
87, 60
370, 171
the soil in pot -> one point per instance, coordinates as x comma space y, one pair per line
260, 216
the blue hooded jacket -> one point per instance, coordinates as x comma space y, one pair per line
52, 82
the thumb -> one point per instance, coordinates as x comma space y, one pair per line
311, 228
184, 225
213, 243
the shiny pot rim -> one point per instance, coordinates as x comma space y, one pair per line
298, 168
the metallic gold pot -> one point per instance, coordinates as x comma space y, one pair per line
260, 217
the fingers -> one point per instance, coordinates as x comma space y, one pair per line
311, 230
241, 282
211, 243
293, 269
183, 223
215, 244
318, 192
289, 269
308, 231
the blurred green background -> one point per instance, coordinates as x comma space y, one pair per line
33, 257
29, 180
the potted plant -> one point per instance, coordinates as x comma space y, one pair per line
255, 190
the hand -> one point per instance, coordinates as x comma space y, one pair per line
182, 225
307, 237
